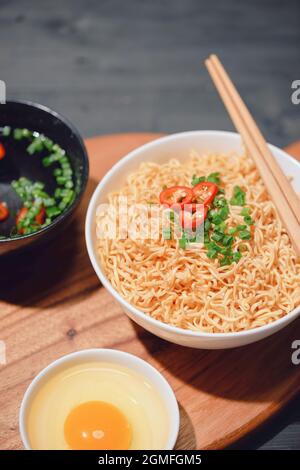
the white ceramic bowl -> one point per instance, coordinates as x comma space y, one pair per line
160, 151
105, 355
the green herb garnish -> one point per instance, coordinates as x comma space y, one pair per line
182, 242
245, 235
6, 132
227, 240
236, 256
239, 197
214, 178
248, 219
39, 207
232, 230
217, 236
245, 211
196, 180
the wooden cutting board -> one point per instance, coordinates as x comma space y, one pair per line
51, 303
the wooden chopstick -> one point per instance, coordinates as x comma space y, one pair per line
259, 140
276, 191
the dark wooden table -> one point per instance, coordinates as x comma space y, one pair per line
122, 66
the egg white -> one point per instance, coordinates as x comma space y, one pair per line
134, 395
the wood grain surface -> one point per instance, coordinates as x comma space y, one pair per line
52, 304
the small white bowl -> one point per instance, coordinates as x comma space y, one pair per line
160, 151
105, 355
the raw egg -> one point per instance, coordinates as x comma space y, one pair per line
97, 425
97, 406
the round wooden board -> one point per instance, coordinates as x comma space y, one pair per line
52, 304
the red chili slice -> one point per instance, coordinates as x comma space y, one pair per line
40, 218
178, 195
2, 151
4, 212
21, 214
204, 192
189, 220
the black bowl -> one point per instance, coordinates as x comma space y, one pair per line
24, 114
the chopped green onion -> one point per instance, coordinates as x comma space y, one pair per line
245, 211
245, 235
64, 160
226, 250
224, 212
57, 172
26, 133
49, 202
212, 253
215, 218
65, 166
207, 224
52, 211
48, 143
57, 149
232, 230
36, 145
219, 202
67, 173
248, 219
18, 134
213, 246
57, 193
227, 240
225, 261
39, 185
62, 205
6, 131
196, 180
239, 197
221, 227
182, 242
214, 178
61, 180
206, 238
236, 256
69, 184
171, 216
217, 236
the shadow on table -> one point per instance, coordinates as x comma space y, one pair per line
186, 438
258, 374
268, 436
30, 275
261, 372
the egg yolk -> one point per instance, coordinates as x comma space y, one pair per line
97, 425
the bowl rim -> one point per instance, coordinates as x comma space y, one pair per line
126, 305
85, 169
133, 362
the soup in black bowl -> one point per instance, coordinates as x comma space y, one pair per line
43, 173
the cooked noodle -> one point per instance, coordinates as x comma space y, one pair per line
185, 288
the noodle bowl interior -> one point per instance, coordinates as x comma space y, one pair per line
202, 287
